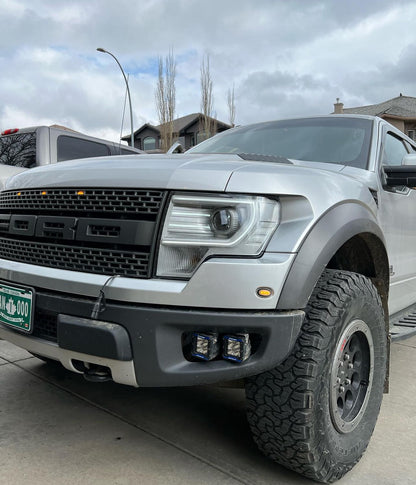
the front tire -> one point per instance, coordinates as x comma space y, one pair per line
315, 413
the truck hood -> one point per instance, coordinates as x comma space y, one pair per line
7, 171
214, 172
180, 172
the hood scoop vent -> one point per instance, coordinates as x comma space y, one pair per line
257, 157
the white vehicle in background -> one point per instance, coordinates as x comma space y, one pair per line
25, 148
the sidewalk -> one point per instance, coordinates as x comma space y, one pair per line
55, 427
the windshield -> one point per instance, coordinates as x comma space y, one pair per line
18, 150
331, 139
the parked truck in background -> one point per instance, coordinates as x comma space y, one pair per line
280, 255
25, 148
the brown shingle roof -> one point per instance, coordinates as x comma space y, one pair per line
402, 106
179, 124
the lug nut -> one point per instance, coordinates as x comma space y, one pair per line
350, 366
346, 357
341, 389
347, 382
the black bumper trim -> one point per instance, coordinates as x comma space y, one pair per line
155, 335
94, 337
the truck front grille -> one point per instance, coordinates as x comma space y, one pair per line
100, 231
89, 260
120, 201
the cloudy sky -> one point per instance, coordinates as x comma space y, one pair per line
284, 57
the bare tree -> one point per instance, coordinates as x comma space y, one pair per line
165, 96
207, 99
231, 106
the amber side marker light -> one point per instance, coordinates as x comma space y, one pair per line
264, 292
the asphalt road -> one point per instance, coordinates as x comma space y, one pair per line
56, 428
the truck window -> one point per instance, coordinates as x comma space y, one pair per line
70, 148
345, 141
18, 150
394, 150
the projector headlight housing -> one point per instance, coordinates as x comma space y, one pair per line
197, 227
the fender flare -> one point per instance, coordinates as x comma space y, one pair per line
332, 230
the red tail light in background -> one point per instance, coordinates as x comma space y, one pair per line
10, 132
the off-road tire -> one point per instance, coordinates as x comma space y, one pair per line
291, 409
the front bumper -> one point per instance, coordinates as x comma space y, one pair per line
144, 344
239, 278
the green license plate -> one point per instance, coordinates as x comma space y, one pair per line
16, 306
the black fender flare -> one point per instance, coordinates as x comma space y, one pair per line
331, 231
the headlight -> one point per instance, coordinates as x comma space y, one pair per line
200, 226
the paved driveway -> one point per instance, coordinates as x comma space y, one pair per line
55, 428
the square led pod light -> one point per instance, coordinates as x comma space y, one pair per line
205, 345
236, 348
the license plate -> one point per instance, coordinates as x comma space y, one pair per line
16, 304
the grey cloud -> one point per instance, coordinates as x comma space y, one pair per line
382, 82
282, 94
257, 46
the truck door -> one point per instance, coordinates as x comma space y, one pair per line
398, 220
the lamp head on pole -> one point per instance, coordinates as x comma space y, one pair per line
100, 49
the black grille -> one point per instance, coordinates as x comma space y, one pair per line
45, 325
88, 260
100, 231
120, 201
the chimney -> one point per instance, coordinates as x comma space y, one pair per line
338, 107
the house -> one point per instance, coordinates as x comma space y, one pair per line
399, 111
188, 130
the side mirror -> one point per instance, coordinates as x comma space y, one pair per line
401, 174
176, 148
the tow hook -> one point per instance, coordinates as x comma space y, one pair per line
97, 373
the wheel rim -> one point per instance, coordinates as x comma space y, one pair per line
351, 376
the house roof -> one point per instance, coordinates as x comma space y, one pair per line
401, 106
179, 124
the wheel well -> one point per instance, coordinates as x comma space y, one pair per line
365, 254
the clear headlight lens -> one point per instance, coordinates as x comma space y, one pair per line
200, 226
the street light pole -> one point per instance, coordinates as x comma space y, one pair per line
100, 49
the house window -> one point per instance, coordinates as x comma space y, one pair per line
411, 134
201, 136
149, 143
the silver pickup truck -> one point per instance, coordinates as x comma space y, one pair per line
279, 255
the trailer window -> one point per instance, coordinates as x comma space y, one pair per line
18, 150
70, 148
